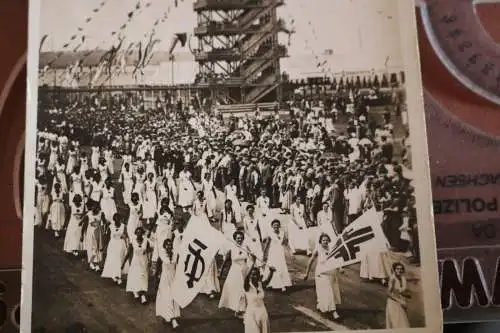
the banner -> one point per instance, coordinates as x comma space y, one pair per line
199, 245
362, 236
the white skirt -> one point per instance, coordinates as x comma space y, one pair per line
298, 238
117, 250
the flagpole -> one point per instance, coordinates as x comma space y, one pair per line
172, 68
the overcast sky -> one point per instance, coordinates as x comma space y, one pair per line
363, 34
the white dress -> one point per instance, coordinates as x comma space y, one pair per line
134, 219
299, 239
103, 171
61, 176
166, 307
253, 237
186, 189
108, 204
128, 183
395, 313
76, 184
71, 161
87, 186
94, 157
93, 242
150, 201
116, 252
84, 165
372, 266
57, 214
276, 258
231, 194
108, 156
139, 185
327, 285
233, 292
96, 191
42, 203
72, 239
256, 319
169, 174
138, 275
54, 154
163, 231
150, 167
262, 206
228, 227
325, 225
208, 190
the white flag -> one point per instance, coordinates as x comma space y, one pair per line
362, 236
200, 244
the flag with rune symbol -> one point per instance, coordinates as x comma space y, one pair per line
200, 244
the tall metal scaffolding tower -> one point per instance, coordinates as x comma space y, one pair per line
238, 49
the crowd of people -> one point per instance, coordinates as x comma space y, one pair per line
119, 184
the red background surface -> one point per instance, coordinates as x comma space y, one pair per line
13, 37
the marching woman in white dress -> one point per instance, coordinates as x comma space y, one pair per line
135, 214
42, 201
108, 204
163, 191
228, 221
233, 292
395, 312
76, 183
325, 222
116, 251
298, 233
103, 169
72, 239
72, 154
60, 173
256, 319
54, 155
109, 160
97, 186
127, 180
57, 213
186, 189
87, 180
327, 284
209, 191
138, 273
164, 222
94, 238
262, 204
149, 164
149, 198
168, 173
231, 193
253, 234
94, 157
274, 256
166, 307
84, 163
140, 178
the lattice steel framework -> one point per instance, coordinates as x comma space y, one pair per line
238, 50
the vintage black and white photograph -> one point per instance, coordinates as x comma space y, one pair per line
227, 166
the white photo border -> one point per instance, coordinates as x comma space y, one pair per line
419, 151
